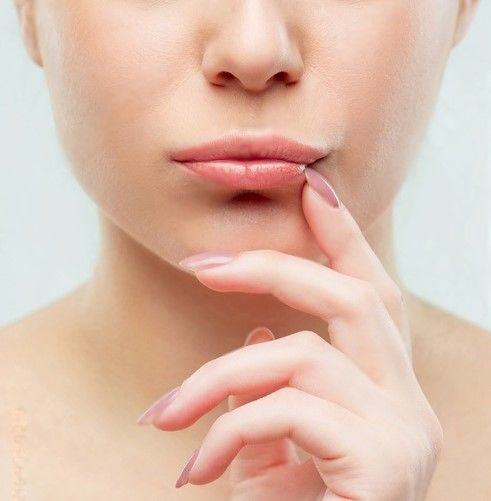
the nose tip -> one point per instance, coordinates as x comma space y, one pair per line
252, 49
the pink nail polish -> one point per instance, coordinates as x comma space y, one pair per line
207, 260
321, 186
184, 476
157, 407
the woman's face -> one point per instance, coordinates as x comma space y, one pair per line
133, 80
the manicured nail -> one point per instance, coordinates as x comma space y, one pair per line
259, 335
184, 476
207, 260
157, 407
321, 186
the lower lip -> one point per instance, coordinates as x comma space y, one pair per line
248, 174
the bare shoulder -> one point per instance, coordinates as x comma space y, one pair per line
28, 348
452, 359
450, 346
29, 373
18, 337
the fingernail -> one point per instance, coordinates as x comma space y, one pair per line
259, 335
321, 186
184, 476
207, 260
157, 407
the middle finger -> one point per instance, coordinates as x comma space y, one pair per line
302, 361
359, 324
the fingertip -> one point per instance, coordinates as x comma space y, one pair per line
259, 335
321, 186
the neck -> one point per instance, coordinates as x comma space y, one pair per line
147, 325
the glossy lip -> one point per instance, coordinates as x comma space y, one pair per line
250, 160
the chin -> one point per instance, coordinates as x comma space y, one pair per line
253, 225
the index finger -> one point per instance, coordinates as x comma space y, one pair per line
342, 241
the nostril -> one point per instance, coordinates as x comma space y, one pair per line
226, 75
282, 76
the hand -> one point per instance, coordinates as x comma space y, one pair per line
353, 404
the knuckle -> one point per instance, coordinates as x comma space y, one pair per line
309, 340
394, 299
435, 434
428, 439
269, 265
287, 397
365, 296
308, 352
271, 257
224, 425
208, 371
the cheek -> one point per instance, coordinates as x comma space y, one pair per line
385, 75
109, 71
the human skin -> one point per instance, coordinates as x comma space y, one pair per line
129, 84
131, 81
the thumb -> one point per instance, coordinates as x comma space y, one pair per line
255, 459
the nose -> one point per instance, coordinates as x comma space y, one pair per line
251, 47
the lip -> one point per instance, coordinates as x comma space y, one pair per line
250, 160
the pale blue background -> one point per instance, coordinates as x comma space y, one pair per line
48, 231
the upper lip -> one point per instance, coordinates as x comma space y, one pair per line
252, 146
